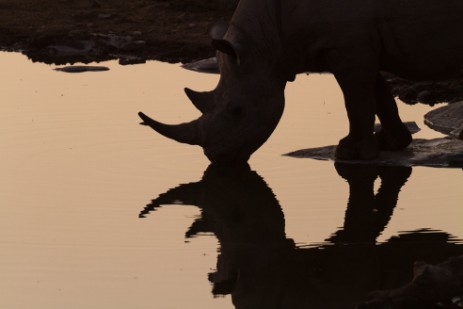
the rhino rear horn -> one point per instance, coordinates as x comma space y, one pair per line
187, 133
203, 101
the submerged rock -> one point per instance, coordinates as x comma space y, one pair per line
82, 68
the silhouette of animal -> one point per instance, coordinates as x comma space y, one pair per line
268, 42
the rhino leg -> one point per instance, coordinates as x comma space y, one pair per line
394, 135
356, 76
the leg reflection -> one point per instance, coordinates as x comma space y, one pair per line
368, 213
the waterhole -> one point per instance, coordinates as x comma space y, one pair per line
99, 212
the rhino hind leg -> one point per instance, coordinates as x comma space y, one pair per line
394, 135
357, 82
394, 138
350, 148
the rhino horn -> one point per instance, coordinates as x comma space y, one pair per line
187, 133
201, 100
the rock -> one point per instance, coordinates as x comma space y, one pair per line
208, 65
447, 119
439, 152
82, 68
227, 4
118, 42
130, 59
105, 16
411, 126
85, 47
426, 92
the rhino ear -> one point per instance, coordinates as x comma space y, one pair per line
228, 48
217, 31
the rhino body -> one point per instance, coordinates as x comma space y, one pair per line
268, 42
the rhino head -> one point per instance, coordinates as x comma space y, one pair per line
240, 114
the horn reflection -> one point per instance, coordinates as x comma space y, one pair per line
261, 268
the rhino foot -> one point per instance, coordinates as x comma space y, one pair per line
350, 149
394, 139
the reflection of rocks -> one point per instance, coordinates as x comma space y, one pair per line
440, 284
260, 268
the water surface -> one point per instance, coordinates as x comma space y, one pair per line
77, 170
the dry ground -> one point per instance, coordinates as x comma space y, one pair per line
171, 31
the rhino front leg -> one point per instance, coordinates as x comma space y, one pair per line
356, 75
394, 135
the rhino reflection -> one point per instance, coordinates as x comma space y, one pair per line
261, 268
235, 205
430, 283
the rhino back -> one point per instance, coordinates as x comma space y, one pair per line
422, 39
416, 39
312, 27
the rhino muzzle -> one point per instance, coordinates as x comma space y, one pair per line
226, 136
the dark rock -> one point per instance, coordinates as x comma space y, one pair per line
439, 152
447, 119
82, 68
208, 65
426, 92
118, 42
129, 59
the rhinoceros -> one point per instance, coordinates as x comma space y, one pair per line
268, 42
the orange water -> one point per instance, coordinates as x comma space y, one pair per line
77, 169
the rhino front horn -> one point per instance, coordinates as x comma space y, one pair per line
187, 133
